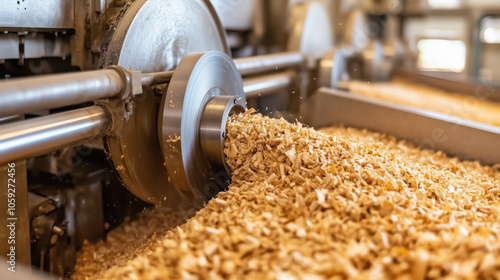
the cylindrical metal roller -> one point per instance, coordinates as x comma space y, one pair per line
39, 136
261, 85
28, 95
266, 63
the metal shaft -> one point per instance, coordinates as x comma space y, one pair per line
28, 95
260, 85
39, 136
152, 79
271, 62
213, 125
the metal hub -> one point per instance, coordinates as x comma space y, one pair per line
204, 90
151, 36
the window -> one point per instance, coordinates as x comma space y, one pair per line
444, 4
441, 55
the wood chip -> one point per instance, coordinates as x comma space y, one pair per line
360, 205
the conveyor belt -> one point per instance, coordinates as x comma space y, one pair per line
463, 138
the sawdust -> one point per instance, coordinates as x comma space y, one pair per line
339, 204
402, 92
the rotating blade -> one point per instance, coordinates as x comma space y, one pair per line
151, 36
198, 78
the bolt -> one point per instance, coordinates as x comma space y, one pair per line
57, 230
47, 208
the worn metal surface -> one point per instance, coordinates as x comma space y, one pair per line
152, 36
462, 138
198, 78
35, 137
37, 14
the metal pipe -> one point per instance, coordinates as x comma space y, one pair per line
39, 136
254, 87
152, 79
18, 96
271, 62
9, 118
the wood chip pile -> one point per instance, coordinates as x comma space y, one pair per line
402, 92
339, 204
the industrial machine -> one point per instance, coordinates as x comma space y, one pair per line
156, 111
80, 151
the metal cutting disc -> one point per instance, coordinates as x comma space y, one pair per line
154, 35
198, 78
150, 36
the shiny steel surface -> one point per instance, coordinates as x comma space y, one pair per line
153, 36
198, 78
311, 30
26, 95
261, 85
213, 127
462, 138
270, 62
39, 136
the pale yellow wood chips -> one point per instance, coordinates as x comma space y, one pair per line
403, 92
345, 204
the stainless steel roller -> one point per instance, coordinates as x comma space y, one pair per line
271, 62
266, 84
28, 95
39, 136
